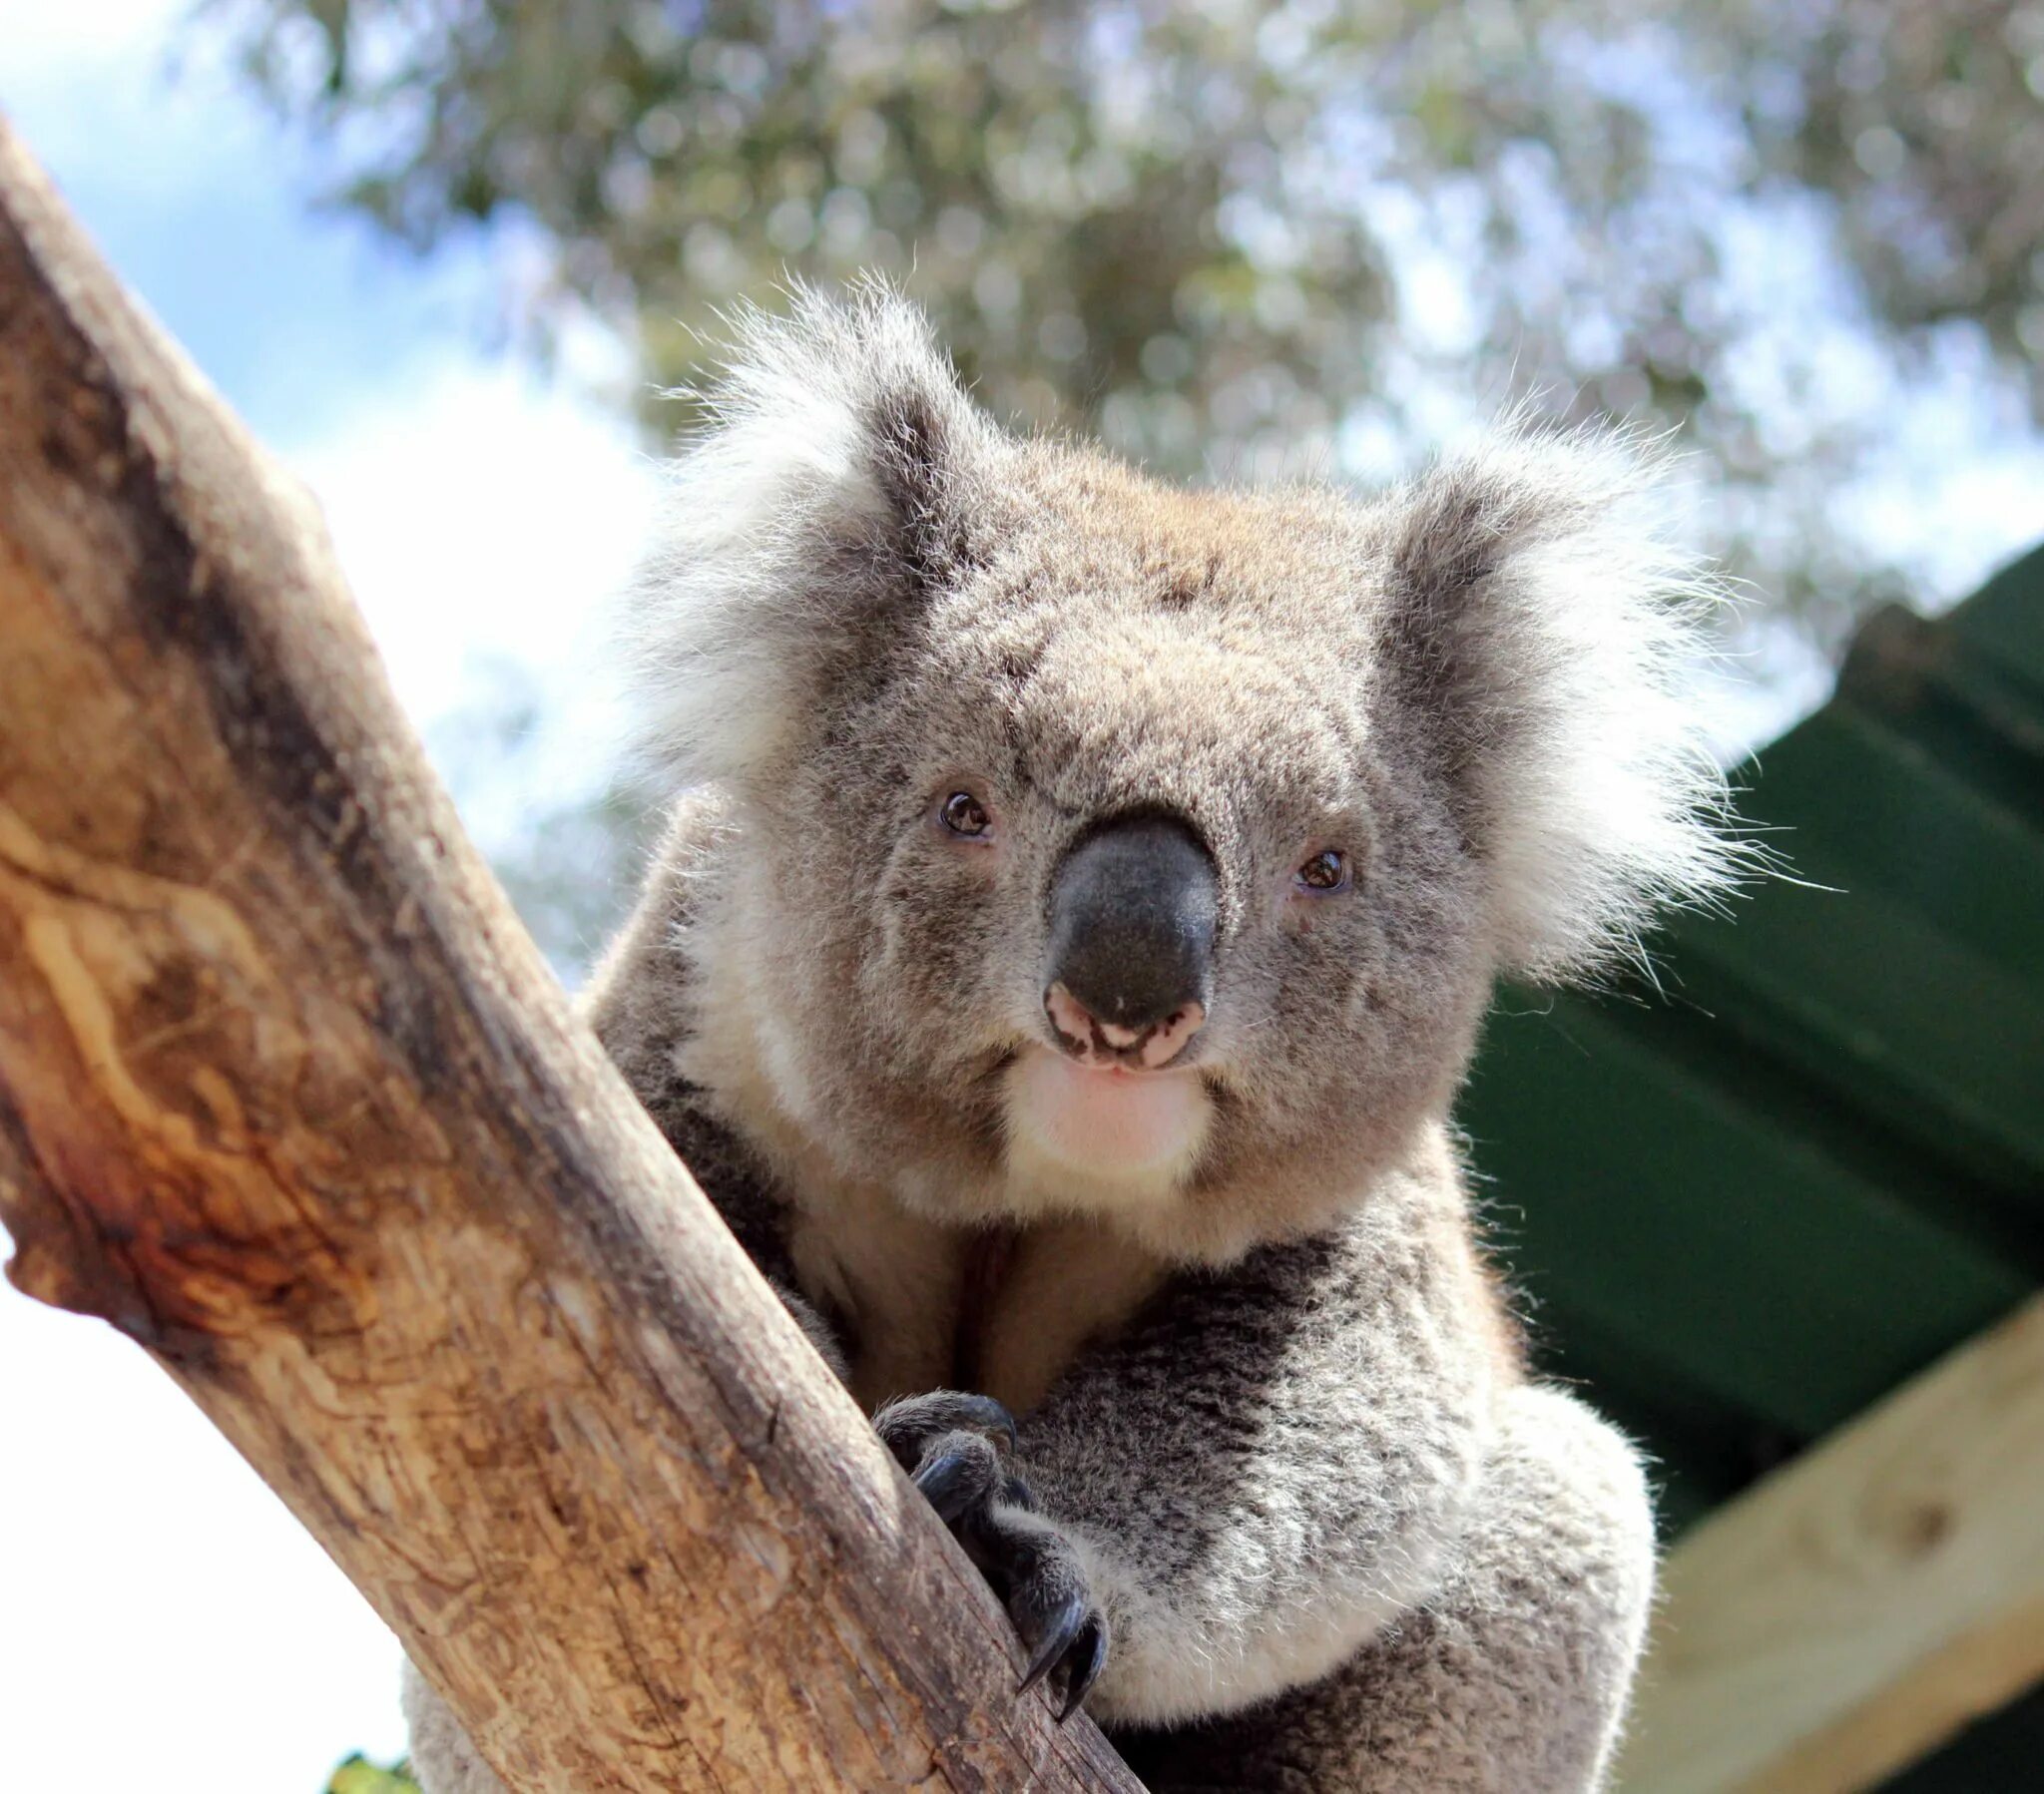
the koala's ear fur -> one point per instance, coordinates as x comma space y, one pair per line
1541, 626
838, 480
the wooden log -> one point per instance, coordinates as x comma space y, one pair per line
287, 1095
1864, 1603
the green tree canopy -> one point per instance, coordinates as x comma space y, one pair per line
1247, 235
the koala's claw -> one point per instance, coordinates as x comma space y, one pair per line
951, 1445
1032, 1566
1088, 1658
1072, 1637
1060, 1635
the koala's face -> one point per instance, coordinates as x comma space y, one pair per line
1131, 887
1112, 848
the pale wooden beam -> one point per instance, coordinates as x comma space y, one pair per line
287, 1095
1863, 1603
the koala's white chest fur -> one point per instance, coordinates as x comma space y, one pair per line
933, 1306
1000, 1308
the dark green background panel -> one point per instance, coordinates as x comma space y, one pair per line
1747, 1196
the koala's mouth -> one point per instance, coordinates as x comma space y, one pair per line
1105, 1045
1104, 1118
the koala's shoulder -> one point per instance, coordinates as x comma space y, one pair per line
639, 995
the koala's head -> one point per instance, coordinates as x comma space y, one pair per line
1101, 846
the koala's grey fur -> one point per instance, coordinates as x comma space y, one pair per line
1276, 1438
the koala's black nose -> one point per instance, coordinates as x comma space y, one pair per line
1133, 912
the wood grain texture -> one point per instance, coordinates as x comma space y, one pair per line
287, 1095
1863, 1603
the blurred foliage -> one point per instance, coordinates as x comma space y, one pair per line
567, 865
360, 1776
1249, 235
1269, 237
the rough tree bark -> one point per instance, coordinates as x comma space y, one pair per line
287, 1095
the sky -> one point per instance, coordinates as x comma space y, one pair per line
164, 1623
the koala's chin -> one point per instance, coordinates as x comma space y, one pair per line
1100, 1137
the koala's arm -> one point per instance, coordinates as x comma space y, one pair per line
1272, 1464
1513, 1678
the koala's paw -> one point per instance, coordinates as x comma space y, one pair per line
946, 1441
910, 1424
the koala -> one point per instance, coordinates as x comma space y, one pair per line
1079, 903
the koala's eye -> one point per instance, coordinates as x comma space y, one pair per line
965, 816
1326, 871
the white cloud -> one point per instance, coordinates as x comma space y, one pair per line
168, 1624
49, 42
1956, 494
489, 516
69, 73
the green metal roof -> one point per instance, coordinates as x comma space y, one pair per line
1748, 1205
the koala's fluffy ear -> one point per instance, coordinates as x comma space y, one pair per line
1541, 629
838, 480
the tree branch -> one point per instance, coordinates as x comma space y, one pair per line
287, 1095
